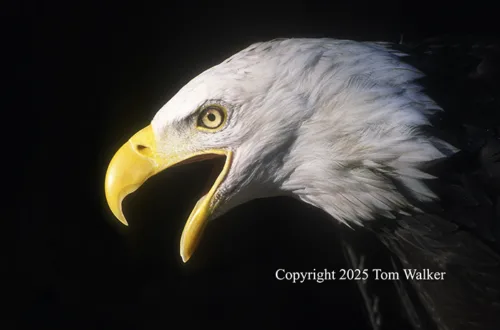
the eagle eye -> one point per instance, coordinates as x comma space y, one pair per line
211, 118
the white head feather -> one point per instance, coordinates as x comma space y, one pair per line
331, 122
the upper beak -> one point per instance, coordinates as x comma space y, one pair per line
129, 168
138, 160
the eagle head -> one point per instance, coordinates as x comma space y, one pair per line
334, 123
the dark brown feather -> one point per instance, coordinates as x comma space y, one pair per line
459, 234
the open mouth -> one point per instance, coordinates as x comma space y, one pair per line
202, 175
138, 160
174, 191
160, 207
200, 165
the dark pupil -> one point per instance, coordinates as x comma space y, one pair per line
211, 117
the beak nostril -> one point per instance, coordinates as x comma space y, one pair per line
143, 150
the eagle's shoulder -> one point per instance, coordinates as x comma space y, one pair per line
463, 77
460, 234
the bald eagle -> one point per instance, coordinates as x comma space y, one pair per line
372, 133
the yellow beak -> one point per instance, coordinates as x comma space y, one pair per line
138, 160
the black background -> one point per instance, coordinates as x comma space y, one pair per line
92, 74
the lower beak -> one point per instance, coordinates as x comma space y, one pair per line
138, 160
